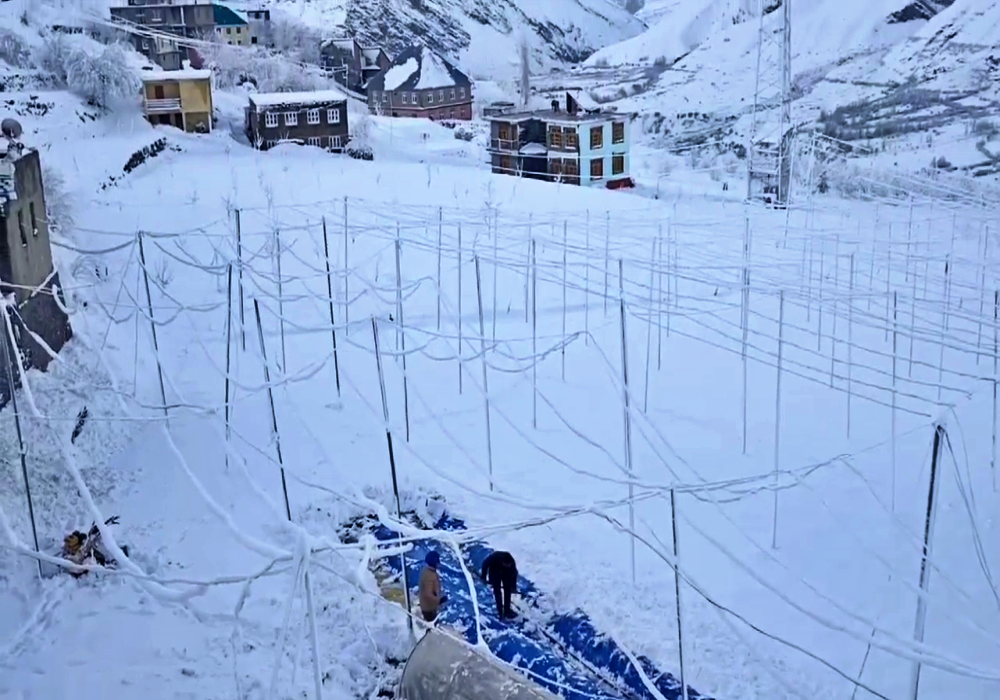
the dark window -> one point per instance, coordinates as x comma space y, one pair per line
571, 167
596, 137
21, 229
253, 40
158, 92
34, 221
572, 140
618, 132
556, 137
597, 168
617, 165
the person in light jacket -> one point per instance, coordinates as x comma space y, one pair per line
500, 571
429, 591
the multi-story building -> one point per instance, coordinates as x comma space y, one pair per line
572, 145
181, 98
260, 27
420, 83
230, 28
27, 276
309, 118
192, 19
352, 64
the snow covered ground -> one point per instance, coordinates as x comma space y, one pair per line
850, 507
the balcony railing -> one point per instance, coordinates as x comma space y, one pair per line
507, 145
170, 104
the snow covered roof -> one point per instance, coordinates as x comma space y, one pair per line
155, 76
584, 100
370, 55
552, 116
276, 99
227, 17
419, 68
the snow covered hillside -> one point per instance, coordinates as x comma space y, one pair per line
481, 34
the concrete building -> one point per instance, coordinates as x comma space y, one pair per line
260, 28
420, 83
193, 19
181, 98
27, 278
308, 118
230, 28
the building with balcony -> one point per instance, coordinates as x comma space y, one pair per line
574, 145
154, 22
27, 277
180, 98
420, 83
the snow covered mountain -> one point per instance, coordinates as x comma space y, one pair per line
482, 34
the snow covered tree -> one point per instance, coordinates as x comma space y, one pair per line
102, 79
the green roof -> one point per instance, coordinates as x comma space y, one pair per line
225, 17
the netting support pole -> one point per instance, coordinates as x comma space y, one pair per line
392, 468
777, 415
281, 304
562, 351
229, 344
628, 418
850, 344
459, 320
893, 423
925, 572
274, 415
486, 387
152, 326
586, 282
677, 593
239, 268
440, 226
329, 292
534, 338
347, 272
401, 334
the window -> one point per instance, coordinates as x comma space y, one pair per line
440, 95
596, 137
315, 141
229, 30
239, 30
312, 116
271, 120
572, 139
145, 44
253, 40
333, 116
406, 98
34, 221
157, 15
618, 132
571, 168
555, 136
461, 92
291, 118
556, 166
334, 142
597, 168
20, 228
430, 97
385, 96
617, 165
451, 114
453, 93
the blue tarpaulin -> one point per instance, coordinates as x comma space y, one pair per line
564, 653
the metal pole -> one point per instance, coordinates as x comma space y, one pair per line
229, 330
677, 593
628, 418
586, 283
399, 289
281, 303
486, 387
888, 279
607, 258
819, 303
850, 344
893, 425
777, 414
982, 290
993, 458
402, 335
527, 268
649, 326
274, 415
925, 572
534, 338
659, 302
745, 322
313, 638
239, 268
944, 322
11, 378
440, 224
392, 468
152, 325
563, 349
347, 295
496, 260
329, 292
460, 308
913, 321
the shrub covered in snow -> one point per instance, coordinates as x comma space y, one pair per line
102, 77
267, 72
13, 50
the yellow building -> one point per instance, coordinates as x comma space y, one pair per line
180, 98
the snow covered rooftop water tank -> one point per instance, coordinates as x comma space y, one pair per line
442, 667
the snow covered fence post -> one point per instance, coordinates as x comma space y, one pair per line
496, 261
401, 335
677, 593
586, 282
607, 256
925, 572
239, 268
850, 343
347, 295
628, 417
329, 292
563, 349
486, 388
152, 325
229, 328
534, 338
459, 320
440, 225
11, 375
893, 423
777, 414
649, 325
281, 302
274, 415
392, 468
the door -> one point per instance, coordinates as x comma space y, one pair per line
158, 92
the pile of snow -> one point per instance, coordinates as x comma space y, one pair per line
399, 74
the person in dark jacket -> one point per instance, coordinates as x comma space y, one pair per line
500, 571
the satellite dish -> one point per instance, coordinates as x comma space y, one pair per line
11, 128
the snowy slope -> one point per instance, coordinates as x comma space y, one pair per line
481, 34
